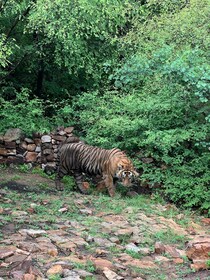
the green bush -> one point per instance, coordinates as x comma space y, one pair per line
164, 116
23, 112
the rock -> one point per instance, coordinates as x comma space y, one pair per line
86, 211
124, 231
132, 247
111, 275
3, 152
103, 242
178, 261
159, 248
17, 274
10, 145
47, 152
146, 262
46, 139
145, 251
29, 140
171, 251
6, 252
13, 134
19, 213
29, 247
198, 251
65, 264
59, 138
31, 147
31, 157
100, 263
63, 210
72, 274
33, 232
114, 240
69, 129
28, 276
38, 149
180, 216
84, 274
55, 269
206, 221
11, 152
162, 259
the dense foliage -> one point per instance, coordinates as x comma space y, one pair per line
132, 74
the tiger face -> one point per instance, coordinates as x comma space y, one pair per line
126, 173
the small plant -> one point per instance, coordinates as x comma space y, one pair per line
169, 236
90, 266
24, 168
133, 254
69, 183
208, 263
55, 277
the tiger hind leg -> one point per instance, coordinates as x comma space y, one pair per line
59, 175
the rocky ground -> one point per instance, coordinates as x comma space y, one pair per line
65, 235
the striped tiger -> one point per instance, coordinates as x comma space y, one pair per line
109, 165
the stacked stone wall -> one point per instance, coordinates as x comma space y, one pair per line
41, 149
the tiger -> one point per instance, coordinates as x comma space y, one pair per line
109, 165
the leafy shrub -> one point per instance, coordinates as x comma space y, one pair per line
23, 112
159, 109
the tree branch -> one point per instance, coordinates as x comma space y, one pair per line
3, 5
17, 20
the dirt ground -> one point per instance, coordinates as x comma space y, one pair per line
46, 234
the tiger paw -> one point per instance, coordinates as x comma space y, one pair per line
84, 187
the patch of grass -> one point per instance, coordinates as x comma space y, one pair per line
105, 203
69, 183
89, 266
124, 238
55, 277
168, 236
24, 168
150, 273
133, 254
40, 171
208, 263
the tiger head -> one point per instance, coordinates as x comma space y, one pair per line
125, 172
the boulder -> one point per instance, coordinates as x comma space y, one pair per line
13, 134
198, 251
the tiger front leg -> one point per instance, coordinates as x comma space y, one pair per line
83, 186
108, 181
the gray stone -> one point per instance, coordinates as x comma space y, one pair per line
38, 149
13, 134
132, 247
71, 275
19, 213
32, 232
46, 139
29, 140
